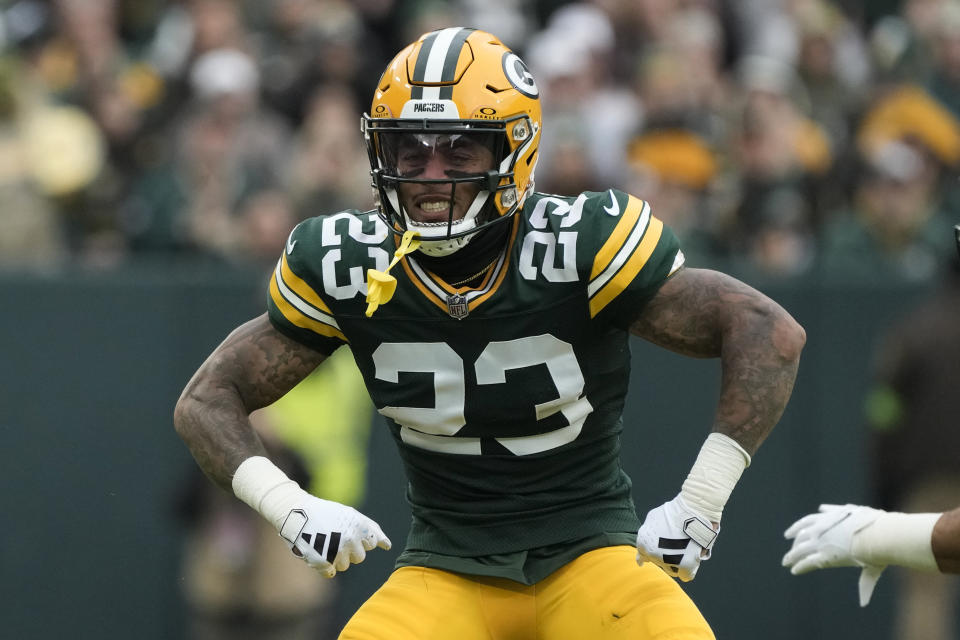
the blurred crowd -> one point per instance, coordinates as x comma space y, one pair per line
781, 137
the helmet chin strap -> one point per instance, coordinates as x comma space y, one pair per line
444, 246
440, 248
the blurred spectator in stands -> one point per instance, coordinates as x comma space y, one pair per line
329, 167
77, 61
511, 20
216, 24
833, 64
266, 219
114, 86
303, 43
287, 47
588, 117
681, 80
428, 15
228, 148
902, 44
912, 409
239, 580
782, 158
763, 29
32, 235
348, 56
898, 228
678, 174
64, 152
637, 27
944, 80
921, 45
185, 30
384, 22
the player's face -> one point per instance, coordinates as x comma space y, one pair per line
436, 157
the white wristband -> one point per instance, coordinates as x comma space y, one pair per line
897, 538
713, 476
263, 486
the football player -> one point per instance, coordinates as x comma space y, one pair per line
491, 324
858, 536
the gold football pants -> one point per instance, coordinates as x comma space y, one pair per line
602, 595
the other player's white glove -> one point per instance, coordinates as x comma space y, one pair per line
854, 536
825, 539
327, 535
676, 539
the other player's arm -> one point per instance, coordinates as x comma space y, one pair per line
946, 542
705, 314
252, 368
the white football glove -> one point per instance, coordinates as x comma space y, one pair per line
825, 539
328, 536
676, 539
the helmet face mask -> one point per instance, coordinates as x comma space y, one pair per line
462, 153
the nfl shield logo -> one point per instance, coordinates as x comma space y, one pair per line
457, 306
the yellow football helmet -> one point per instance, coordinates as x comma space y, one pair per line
455, 86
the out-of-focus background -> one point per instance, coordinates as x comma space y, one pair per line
155, 154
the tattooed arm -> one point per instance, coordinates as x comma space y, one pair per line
706, 314
255, 366
252, 368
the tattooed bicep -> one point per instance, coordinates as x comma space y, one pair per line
261, 363
688, 313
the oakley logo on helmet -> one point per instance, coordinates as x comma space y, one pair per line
519, 76
485, 113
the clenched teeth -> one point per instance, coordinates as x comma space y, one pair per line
433, 206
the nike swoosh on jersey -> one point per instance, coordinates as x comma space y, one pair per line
613, 210
290, 245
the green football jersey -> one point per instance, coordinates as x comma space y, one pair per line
505, 399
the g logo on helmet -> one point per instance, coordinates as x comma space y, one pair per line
519, 76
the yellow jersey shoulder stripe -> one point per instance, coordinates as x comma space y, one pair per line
627, 261
300, 304
299, 287
633, 212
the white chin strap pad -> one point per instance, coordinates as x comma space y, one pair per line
440, 248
